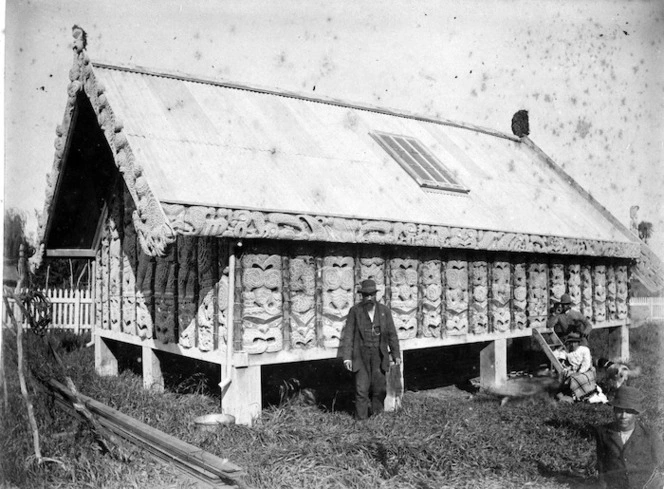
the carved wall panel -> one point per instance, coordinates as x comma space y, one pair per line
432, 297
98, 288
479, 295
104, 276
611, 306
574, 284
338, 284
372, 266
538, 302
403, 295
303, 302
145, 313
501, 293
520, 300
622, 292
222, 295
207, 261
164, 296
129, 268
556, 282
456, 295
262, 314
115, 261
599, 298
186, 290
587, 292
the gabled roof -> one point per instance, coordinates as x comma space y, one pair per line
208, 158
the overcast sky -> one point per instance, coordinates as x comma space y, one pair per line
591, 73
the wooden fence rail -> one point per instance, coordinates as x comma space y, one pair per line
70, 309
654, 304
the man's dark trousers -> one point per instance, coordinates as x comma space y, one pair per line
370, 379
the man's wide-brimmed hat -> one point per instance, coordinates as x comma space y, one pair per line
628, 398
565, 299
573, 338
368, 287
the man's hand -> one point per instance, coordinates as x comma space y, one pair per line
396, 361
349, 365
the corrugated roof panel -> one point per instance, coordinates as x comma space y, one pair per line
204, 144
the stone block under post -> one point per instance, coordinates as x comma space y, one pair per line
106, 363
395, 387
619, 343
493, 364
242, 398
153, 377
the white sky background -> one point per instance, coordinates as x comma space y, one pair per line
590, 72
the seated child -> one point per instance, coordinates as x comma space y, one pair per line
579, 372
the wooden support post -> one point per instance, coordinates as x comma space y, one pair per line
493, 364
152, 375
106, 363
243, 397
395, 387
619, 343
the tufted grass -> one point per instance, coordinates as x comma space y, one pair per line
440, 438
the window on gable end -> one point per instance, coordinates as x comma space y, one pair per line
427, 170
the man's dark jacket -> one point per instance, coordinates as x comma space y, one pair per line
353, 340
631, 465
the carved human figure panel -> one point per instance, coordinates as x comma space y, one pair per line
373, 267
403, 292
479, 294
538, 307
520, 300
432, 298
456, 297
186, 291
338, 294
115, 263
611, 306
621, 292
302, 270
223, 304
574, 284
207, 277
145, 312
586, 291
599, 299
165, 287
556, 282
104, 277
262, 313
129, 267
501, 292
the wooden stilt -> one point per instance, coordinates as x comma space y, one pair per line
106, 363
243, 397
493, 364
152, 374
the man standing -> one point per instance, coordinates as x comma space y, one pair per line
570, 321
628, 453
368, 333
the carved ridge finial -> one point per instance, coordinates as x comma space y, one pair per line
80, 38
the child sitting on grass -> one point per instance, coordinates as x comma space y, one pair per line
580, 380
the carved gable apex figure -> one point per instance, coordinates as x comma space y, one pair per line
520, 125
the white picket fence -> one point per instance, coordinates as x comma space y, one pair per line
654, 304
70, 309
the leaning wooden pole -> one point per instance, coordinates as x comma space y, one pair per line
21, 378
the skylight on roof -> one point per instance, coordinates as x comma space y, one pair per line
418, 162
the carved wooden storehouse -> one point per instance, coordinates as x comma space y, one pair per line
232, 224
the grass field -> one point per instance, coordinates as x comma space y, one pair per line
442, 437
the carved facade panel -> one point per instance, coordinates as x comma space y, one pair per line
538, 301
456, 295
303, 301
187, 278
599, 298
501, 294
104, 276
372, 266
164, 296
586, 291
129, 269
115, 261
262, 314
207, 263
432, 297
223, 292
338, 284
520, 300
611, 306
403, 295
622, 291
556, 282
145, 313
574, 284
479, 296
